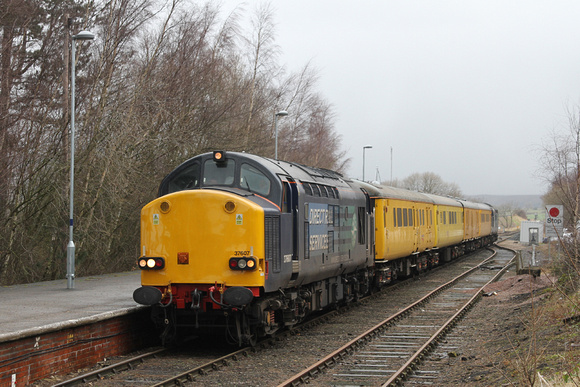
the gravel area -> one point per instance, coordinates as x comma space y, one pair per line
514, 336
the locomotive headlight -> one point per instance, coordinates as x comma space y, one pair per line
242, 264
250, 263
148, 263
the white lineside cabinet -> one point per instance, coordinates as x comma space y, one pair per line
531, 232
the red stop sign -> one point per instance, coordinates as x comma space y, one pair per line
554, 212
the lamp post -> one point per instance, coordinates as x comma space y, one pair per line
70, 250
281, 113
364, 149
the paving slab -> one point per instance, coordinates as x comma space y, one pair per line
29, 309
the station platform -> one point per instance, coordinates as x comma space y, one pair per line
33, 309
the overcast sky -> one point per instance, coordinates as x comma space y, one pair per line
464, 89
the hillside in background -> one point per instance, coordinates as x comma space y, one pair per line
517, 201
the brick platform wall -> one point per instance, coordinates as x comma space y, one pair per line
33, 358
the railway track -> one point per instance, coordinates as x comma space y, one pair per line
392, 351
168, 368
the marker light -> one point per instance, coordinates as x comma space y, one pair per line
165, 206
230, 206
219, 156
245, 263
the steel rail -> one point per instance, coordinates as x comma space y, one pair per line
112, 369
400, 375
191, 375
332, 358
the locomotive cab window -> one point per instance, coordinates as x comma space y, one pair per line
188, 178
254, 180
218, 173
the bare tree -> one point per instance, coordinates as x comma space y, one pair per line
262, 54
506, 214
561, 167
163, 81
430, 182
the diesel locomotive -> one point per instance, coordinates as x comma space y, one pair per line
249, 245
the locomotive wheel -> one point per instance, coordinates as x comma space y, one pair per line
246, 333
252, 336
169, 335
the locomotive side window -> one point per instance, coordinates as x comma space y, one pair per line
254, 180
286, 197
188, 178
218, 174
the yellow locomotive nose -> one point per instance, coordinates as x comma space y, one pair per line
198, 233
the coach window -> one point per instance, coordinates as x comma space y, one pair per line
405, 220
254, 180
399, 217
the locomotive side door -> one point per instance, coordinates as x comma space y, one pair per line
288, 234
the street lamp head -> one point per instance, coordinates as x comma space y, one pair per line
84, 35
282, 113
367, 146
